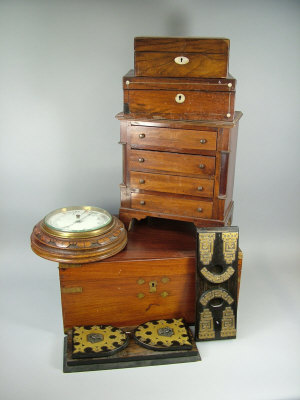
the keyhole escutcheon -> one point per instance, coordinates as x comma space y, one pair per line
181, 60
180, 98
152, 286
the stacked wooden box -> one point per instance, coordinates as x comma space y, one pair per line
179, 132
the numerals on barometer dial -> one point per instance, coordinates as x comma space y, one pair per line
78, 219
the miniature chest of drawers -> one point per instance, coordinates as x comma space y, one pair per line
181, 170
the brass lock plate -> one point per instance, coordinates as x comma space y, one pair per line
152, 286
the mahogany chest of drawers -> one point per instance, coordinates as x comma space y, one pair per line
182, 170
179, 132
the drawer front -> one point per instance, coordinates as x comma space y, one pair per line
180, 104
171, 205
181, 139
172, 184
180, 164
180, 64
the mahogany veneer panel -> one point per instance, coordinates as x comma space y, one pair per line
165, 138
181, 164
181, 57
171, 184
171, 205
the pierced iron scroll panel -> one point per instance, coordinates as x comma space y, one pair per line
216, 283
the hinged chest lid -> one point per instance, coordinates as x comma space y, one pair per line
186, 44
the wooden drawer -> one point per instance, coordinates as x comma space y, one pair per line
181, 104
171, 205
181, 164
181, 57
171, 184
166, 138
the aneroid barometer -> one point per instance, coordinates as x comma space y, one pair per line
78, 234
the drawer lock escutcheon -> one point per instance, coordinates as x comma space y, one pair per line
180, 98
152, 286
181, 60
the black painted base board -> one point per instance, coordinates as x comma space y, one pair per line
133, 356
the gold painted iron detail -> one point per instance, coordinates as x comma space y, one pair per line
206, 247
206, 325
163, 334
217, 278
230, 242
228, 323
97, 339
215, 293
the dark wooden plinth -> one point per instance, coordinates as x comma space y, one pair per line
133, 356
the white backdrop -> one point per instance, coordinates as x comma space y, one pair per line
61, 67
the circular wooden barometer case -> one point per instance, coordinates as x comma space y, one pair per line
78, 234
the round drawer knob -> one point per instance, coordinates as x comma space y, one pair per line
141, 160
200, 209
201, 166
203, 141
141, 135
200, 188
142, 203
179, 98
142, 181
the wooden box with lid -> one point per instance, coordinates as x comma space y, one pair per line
179, 98
152, 278
179, 57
